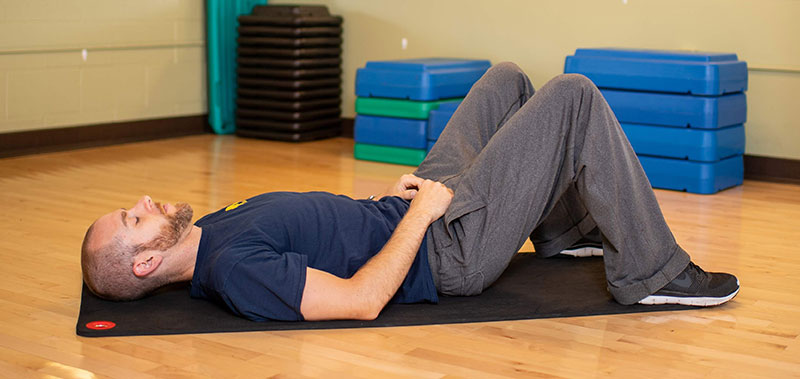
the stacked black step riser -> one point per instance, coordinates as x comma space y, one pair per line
289, 73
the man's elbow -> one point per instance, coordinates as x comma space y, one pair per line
369, 314
368, 304
327, 297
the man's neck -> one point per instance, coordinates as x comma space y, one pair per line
187, 254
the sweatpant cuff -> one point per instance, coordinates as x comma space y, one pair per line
546, 249
632, 293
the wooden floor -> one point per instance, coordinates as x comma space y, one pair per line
49, 200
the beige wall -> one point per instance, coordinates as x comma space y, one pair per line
145, 59
538, 34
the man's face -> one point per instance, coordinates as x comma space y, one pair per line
147, 224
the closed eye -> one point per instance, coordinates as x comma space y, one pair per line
137, 221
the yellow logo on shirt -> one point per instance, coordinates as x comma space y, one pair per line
235, 205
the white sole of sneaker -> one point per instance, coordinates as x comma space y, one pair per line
691, 301
584, 252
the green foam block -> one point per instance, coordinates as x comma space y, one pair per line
389, 154
378, 106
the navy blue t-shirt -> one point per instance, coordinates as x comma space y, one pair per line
253, 254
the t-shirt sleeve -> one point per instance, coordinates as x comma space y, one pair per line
267, 286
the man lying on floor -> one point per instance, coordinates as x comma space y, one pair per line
553, 166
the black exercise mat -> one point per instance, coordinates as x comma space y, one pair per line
289, 63
289, 95
303, 136
530, 288
282, 31
288, 126
289, 74
269, 114
291, 15
288, 84
292, 22
291, 11
260, 20
291, 43
256, 103
314, 52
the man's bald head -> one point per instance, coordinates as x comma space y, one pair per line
114, 241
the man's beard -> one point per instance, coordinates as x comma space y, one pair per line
172, 231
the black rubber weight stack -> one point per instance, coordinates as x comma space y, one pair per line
289, 74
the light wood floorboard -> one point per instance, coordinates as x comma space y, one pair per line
50, 199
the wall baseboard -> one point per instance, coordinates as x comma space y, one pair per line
767, 169
348, 127
59, 139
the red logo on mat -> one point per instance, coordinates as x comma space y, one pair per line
100, 325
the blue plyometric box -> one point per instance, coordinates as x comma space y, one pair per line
419, 79
677, 110
438, 119
695, 177
705, 145
390, 131
698, 73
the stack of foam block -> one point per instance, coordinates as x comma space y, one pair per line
438, 119
396, 98
289, 75
682, 111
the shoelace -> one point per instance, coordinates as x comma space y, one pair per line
701, 274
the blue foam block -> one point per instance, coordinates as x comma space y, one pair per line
390, 131
419, 79
704, 145
438, 119
695, 177
692, 72
677, 110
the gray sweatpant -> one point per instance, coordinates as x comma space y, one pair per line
557, 162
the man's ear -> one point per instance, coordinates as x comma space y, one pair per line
145, 263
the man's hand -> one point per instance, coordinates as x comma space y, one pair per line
406, 187
431, 200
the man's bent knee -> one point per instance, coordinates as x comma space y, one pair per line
572, 82
505, 67
505, 71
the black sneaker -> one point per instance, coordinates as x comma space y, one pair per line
584, 248
697, 288
590, 245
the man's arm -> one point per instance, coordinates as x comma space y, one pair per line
363, 296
